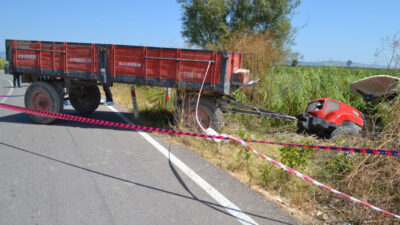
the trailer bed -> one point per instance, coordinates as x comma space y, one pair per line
108, 63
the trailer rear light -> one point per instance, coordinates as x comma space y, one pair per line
243, 75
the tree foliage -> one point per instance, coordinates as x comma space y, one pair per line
213, 21
295, 62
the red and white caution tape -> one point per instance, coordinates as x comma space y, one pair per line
334, 148
215, 136
198, 100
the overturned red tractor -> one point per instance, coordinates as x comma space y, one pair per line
330, 118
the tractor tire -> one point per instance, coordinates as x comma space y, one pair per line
348, 130
43, 96
209, 115
85, 99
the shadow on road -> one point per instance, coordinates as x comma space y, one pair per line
210, 204
192, 197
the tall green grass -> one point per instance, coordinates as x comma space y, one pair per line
289, 89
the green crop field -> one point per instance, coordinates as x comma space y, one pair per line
289, 89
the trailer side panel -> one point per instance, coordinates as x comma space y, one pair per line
168, 67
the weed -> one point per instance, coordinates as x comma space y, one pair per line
340, 166
266, 178
296, 157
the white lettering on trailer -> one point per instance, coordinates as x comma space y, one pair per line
26, 56
80, 60
129, 64
192, 75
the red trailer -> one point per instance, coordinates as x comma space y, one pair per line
73, 71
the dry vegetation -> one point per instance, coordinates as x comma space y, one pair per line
258, 49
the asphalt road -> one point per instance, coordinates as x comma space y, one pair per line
73, 173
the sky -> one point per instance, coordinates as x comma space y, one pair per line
342, 30
337, 30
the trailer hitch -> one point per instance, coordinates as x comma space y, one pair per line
232, 105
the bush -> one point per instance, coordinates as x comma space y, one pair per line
296, 157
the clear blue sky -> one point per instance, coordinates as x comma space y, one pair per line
345, 29
333, 29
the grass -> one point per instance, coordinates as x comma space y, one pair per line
150, 101
2, 61
288, 89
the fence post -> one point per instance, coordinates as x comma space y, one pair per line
168, 95
134, 104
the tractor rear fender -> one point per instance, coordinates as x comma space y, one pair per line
338, 119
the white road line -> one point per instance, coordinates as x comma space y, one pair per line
9, 92
242, 217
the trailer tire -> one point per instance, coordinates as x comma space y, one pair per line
85, 99
45, 97
209, 115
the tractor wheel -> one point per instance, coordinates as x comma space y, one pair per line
43, 96
208, 112
85, 99
348, 130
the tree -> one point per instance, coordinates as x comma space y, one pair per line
390, 51
295, 62
349, 62
208, 22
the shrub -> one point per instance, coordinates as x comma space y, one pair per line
296, 157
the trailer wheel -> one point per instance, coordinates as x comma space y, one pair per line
348, 130
43, 96
85, 99
209, 115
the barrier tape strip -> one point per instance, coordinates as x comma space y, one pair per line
144, 128
344, 149
324, 147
